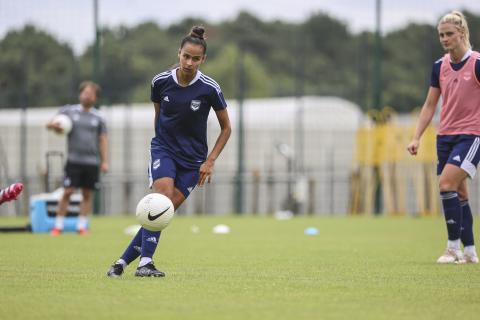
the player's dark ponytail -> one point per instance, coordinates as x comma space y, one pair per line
196, 36
197, 32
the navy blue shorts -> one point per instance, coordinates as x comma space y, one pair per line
460, 150
163, 165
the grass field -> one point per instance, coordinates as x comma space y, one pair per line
355, 268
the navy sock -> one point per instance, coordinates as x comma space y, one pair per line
453, 214
149, 242
133, 250
467, 224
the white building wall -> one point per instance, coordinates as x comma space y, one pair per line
329, 135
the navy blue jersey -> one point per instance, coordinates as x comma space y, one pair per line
181, 128
435, 77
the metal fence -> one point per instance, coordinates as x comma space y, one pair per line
312, 168
271, 181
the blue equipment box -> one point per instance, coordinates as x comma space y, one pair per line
43, 208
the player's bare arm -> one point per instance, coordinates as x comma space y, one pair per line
157, 112
206, 170
103, 143
426, 115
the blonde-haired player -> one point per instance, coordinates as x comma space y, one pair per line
456, 78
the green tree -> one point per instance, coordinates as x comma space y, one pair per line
130, 58
474, 27
224, 69
319, 56
330, 54
409, 54
36, 70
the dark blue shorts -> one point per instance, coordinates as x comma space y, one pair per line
460, 150
163, 165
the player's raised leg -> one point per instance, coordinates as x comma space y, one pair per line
146, 267
145, 242
11, 192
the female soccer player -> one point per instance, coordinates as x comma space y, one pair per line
455, 77
182, 98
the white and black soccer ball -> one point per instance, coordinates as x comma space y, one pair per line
64, 122
155, 211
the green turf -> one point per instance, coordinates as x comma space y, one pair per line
356, 268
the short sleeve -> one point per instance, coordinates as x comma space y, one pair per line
155, 93
157, 85
65, 110
217, 101
435, 76
102, 127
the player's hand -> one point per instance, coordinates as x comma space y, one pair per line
413, 147
104, 167
206, 171
55, 126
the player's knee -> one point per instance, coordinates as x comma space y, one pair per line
169, 194
166, 191
67, 193
87, 195
446, 185
164, 188
177, 200
462, 194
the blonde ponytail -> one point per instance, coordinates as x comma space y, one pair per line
458, 20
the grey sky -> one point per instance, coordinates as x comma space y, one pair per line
72, 21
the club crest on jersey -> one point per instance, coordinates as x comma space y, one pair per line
195, 105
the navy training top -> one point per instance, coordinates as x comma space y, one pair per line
181, 128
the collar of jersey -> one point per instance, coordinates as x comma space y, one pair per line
80, 108
174, 76
465, 56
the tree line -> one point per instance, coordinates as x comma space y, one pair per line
247, 56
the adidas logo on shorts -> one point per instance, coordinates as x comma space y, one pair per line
152, 240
